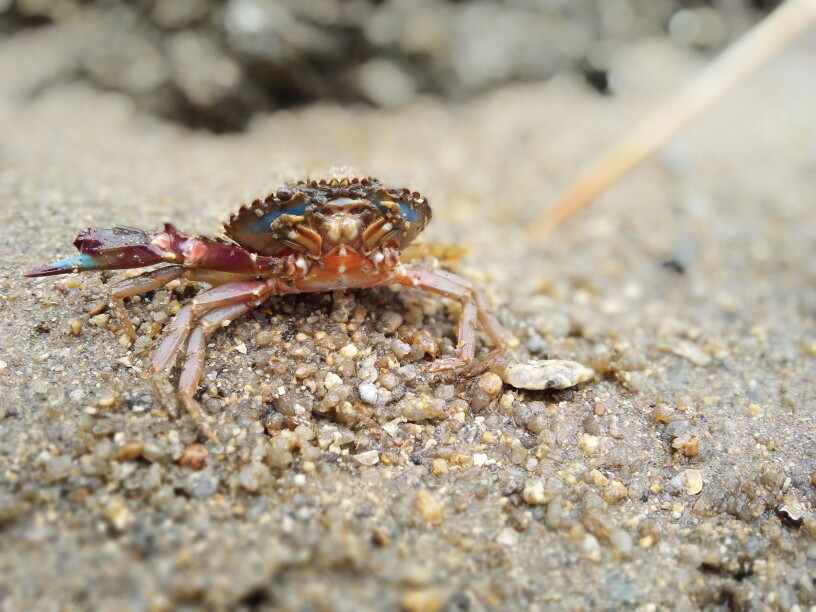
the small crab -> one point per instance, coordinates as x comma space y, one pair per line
308, 236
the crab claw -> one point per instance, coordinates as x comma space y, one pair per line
106, 249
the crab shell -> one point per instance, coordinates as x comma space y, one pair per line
313, 217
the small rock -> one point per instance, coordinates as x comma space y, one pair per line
549, 374
614, 492
490, 383
368, 392
117, 513
130, 451
428, 507
75, 326
201, 485
253, 475
692, 352
421, 599
534, 493
39, 387
621, 541
332, 380
389, 322
421, 408
591, 548
590, 444
508, 537
194, 457
10, 508
349, 351
371, 457
689, 482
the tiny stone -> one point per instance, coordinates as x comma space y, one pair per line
106, 398
201, 484
534, 493
429, 509
591, 548
332, 380
430, 599
694, 482
97, 308
662, 413
692, 352
615, 492
549, 374
389, 322
813, 479
590, 444
100, 320
40, 387
253, 475
194, 457
130, 451
369, 458
621, 541
75, 326
490, 383
368, 392
350, 351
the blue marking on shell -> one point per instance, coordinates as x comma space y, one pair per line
408, 213
262, 225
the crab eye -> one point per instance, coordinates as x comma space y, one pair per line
284, 194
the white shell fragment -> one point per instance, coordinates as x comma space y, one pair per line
547, 374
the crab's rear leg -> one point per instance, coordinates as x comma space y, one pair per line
473, 309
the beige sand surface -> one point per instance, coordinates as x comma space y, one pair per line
576, 499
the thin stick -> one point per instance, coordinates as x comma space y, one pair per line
765, 40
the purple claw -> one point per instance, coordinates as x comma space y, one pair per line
106, 249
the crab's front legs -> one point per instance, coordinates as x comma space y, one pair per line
473, 309
193, 324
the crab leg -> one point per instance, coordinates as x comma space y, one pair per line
456, 288
253, 292
194, 358
154, 279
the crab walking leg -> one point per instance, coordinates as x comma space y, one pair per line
489, 322
254, 292
457, 288
154, 279
194, 358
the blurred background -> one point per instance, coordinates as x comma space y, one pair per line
214, 64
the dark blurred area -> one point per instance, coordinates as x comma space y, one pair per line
213, 64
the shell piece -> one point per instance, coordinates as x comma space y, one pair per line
275, 225
548, 374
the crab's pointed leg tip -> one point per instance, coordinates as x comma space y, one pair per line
77, 263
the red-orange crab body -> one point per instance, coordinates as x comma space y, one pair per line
308, 236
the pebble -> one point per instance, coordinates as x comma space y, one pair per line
253, 475
548, 374
689, 482
194, 457
428, 507
590, 444
332, 380
428, 599
201, 485
39, 387
490, 383
368, 458
350, 351
75, 326
614, 492
690, 351
368, 392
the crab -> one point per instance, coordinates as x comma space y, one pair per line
308, 236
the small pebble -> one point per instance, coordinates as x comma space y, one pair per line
368, 392
39, 387
130, 451
549, 374
490, 383
367, 458
194, 457
428, 507
350, 351
75, 326
201, 485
